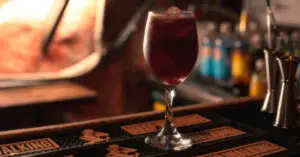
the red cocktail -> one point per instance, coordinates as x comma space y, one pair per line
171, 46
170, 49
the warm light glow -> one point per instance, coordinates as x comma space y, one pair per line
25, 10
243, 21
26, 23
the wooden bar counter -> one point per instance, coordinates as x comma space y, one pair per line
233, 127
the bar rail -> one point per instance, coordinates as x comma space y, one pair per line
108, 120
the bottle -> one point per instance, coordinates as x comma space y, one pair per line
256, 45
258, 83
295, 36
252, 29
240, 76
158, 100
240, 60
273, 41
283, 43
207, 45
222, 53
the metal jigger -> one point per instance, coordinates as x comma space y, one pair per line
269, 104
286, 111
271, 66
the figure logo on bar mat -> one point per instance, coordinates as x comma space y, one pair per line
92, 137
19, 148
214, 134
153, 126
117, 151
261, 148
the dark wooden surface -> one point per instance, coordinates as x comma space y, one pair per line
94, 136
230, 103
52, 92
43, 104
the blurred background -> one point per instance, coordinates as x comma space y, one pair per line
55, 71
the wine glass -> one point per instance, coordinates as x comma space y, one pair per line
171, 50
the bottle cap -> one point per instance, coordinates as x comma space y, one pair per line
211, 26
218, 42
237, 44
256, 37
225, 27
259, 64
273, 39
237, 28
256, 40
296, 35
284, 35
253, 26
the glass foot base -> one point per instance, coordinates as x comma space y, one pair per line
173, 142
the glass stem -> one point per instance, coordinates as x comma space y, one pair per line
169, 126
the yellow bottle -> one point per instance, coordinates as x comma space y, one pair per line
258, 83
159, 106
240, 67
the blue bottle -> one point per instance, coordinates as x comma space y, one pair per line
206, 50
222, 53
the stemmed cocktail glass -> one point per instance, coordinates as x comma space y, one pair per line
171, 50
